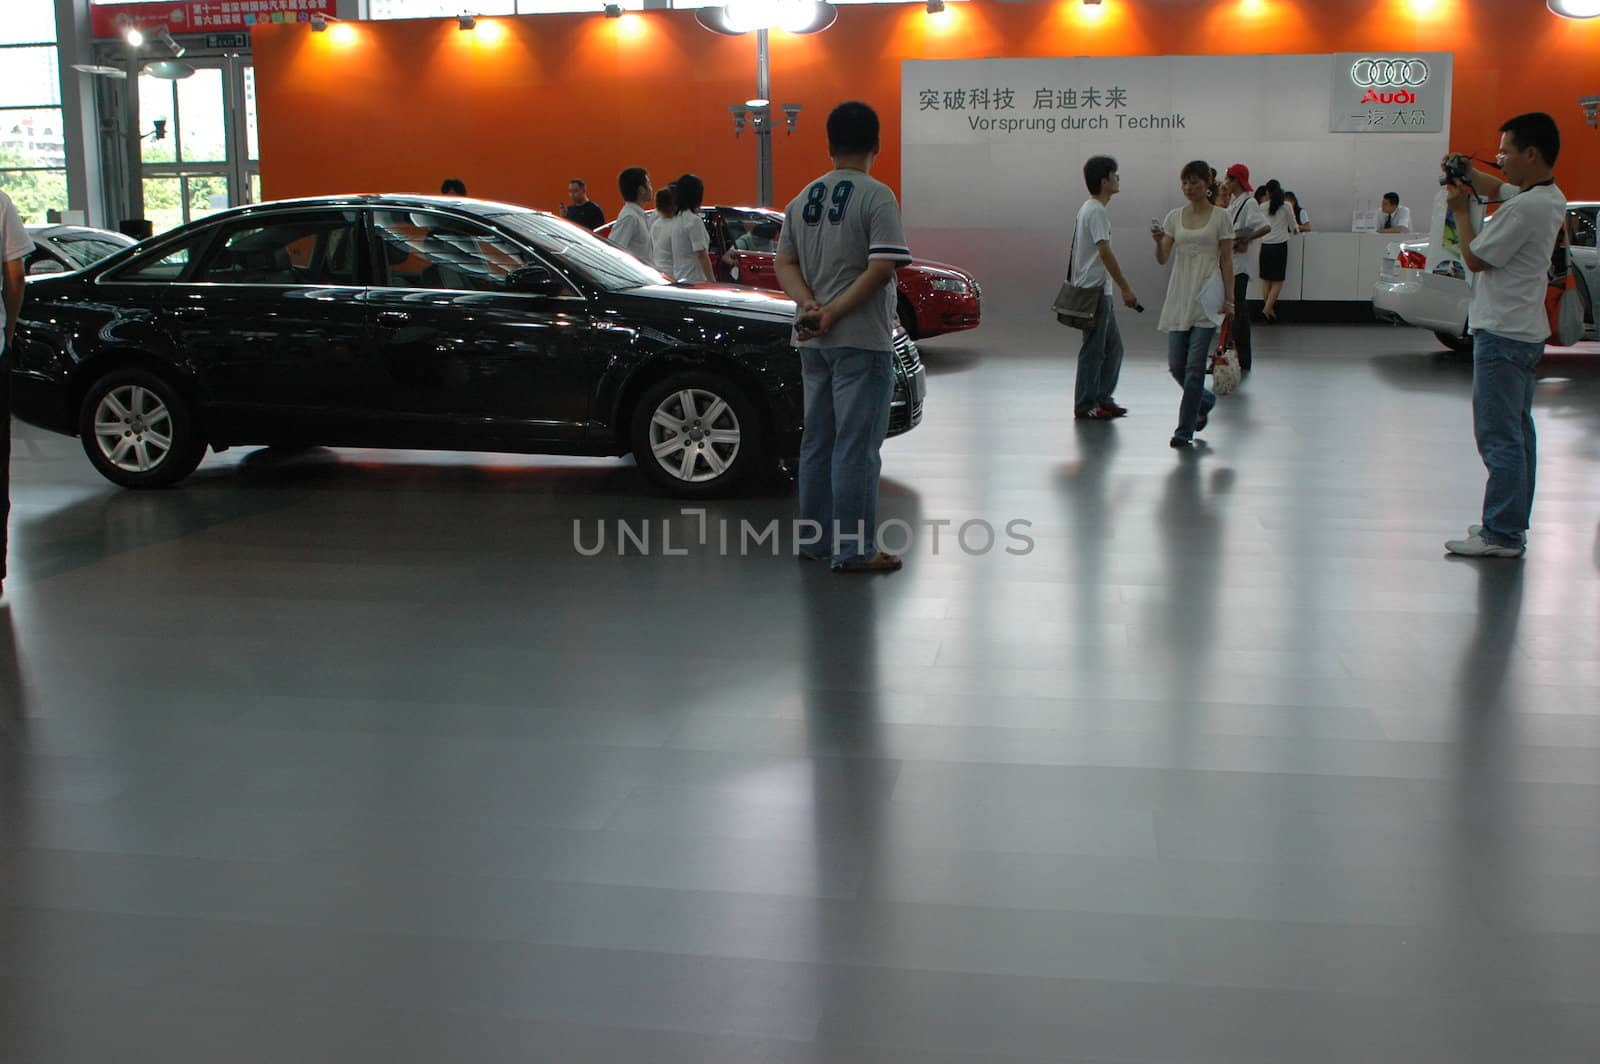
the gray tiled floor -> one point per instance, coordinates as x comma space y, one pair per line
350, 756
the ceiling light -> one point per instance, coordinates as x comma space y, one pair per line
170, 69
100, 70
465, 21
134, 37
1575, 8
757, 104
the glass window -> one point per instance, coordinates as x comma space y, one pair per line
32, 137
1581, 224
162, 266
158, 104
575, 249
29, 77
163, 202
422, 250
202, 134
29, 22
750, 230
86, 251
206, 194
35, 192
307, 250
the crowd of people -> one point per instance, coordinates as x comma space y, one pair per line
1208, 243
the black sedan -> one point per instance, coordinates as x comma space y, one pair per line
412, 322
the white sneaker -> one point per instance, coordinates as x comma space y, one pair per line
1475, 547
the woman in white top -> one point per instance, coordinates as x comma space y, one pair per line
1302, 220
1198, 238
1281, 222
661, 226
690, 243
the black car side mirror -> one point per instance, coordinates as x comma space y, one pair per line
534, 281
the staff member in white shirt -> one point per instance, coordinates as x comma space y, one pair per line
1510, 261
631, 230
688, 240
15, 244
1395, 218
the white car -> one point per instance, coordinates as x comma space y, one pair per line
1418, 286
65, 248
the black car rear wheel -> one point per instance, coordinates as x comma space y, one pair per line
1458, 345
138, 430
696, 434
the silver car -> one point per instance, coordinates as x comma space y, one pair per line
65, 248
1418, 286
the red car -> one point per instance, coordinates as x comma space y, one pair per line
935, 298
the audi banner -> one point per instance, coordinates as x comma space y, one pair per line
1390, 92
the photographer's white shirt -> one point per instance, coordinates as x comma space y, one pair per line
1517, 242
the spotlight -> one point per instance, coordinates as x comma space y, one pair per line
791, 116
935, 7
737, 111
134, 37
613, 11
465, 21
1575, 8
1092, 3
1591, 109
319, 23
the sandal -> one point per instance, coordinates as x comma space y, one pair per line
878, 563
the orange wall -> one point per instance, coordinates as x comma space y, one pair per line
398, 106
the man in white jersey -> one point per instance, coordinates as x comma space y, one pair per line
1510, 261
841, 243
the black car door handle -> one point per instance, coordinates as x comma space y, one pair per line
393, 317
188, 313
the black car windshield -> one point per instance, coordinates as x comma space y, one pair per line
574, 248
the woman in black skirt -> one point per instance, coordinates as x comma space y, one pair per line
1275, 248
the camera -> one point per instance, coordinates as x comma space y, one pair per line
810, 323
1457, 169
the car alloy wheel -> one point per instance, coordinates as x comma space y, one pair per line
139, 429
695, 435
133, 429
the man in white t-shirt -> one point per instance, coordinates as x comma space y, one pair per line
1394, 218
1091, 262
1249, 225
15, 244
1510, 263
631, 230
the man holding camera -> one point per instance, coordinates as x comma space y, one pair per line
1509, 260
841, 244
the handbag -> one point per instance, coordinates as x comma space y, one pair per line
1074, 305
1562, 304
1225, 373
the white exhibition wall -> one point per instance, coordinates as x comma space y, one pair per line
995, 188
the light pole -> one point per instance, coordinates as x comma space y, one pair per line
741, 17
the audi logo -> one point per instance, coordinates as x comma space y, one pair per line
1389, 73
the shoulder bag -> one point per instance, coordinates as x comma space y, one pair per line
1075, 305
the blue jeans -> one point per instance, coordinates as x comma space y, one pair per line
1502, 421
847, 396
1099, 361
1187, 352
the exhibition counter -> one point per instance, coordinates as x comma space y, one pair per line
1334, 267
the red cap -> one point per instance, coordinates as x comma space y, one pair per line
1240, 173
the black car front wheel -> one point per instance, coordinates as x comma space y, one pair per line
696, 434
138, 430
1457, 345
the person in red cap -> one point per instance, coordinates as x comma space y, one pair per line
1249, 225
